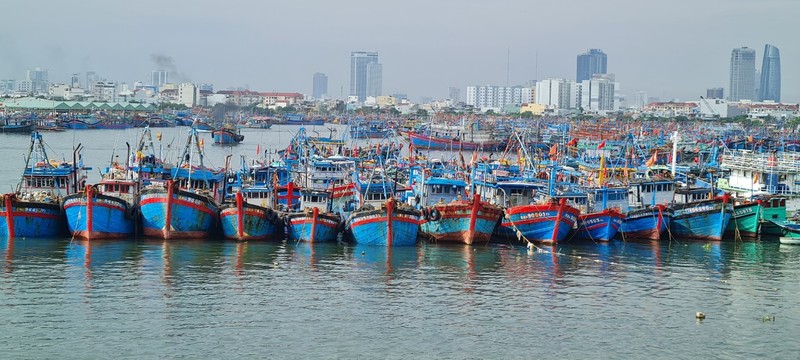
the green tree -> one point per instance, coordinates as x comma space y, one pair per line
526, 115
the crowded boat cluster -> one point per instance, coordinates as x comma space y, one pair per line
467, 183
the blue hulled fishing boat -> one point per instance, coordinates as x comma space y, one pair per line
227, 135
186, 207
244, 221
702, 220
607, 208
34, 209
650, 215
105, 210
381, 220
314, 222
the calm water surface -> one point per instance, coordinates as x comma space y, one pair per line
213, 299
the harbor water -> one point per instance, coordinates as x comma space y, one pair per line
138, 298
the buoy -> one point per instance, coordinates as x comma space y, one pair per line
768, 318
700, 316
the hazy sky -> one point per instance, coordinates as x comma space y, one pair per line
672, 49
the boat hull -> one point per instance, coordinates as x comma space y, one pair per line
98, 216
647, 224
225, 137
242, 221
542, 223
599, 226
701, 220
745, 222
312, 226
29, 219
421, 141
462, 222
387, 226
176, 214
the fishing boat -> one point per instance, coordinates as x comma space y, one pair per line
228, 134
105, 210
773, 209
81, 122
34, 209
454, 138
746, 221
371, 130
702, 220
607, 208
244, 221
790, 232
649, 215
185, 207
382, 220
300, 119
20, 127
446, 215
314, 222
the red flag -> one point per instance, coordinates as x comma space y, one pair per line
652, 160
573, 142
602, 145
553, 149
258, 149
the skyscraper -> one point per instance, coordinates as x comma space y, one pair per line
590, 63
715, 93
374, 79
743, 74
771, 74
320, 85
358, 72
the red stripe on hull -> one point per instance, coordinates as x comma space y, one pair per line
85, 235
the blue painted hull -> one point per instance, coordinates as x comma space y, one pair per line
257, 223
373, 227
702, 220
189, 215
313, 227
462, 222
544, 223
111, 217
30, 219
225, 137
435, 143
646, 224
601, 226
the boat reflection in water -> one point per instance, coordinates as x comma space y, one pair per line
248, 256
45, 251
315, 253
386, 259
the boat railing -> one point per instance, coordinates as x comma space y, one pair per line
783, 162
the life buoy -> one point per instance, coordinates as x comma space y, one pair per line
231, 180
434, 215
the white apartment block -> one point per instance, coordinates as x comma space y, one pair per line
488, 96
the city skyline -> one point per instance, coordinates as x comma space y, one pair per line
644, 60
590, 63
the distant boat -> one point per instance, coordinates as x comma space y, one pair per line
300, 119
21, 128
227, 135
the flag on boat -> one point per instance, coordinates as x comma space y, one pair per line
601, 145
258, 149
652, 160
553, 150
755, 178
573, 142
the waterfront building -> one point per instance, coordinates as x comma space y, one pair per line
715, 93
320, 86
8, 86
497, 97
359, 73
279, 99
672, 108
590, 63
770, 84
105, 91
641, 99
743, 74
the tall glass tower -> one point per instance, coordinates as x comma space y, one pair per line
590, 63
359, 74
771, 74
743, 74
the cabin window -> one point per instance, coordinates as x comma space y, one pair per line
517, 191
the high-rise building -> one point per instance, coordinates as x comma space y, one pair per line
590, 63
641, 99
374, 79
598, 93
743, 74
715, 93
556, 93
39, 81
75, 81
159, 77
91, 79
320, 86
358, 72
771, 74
